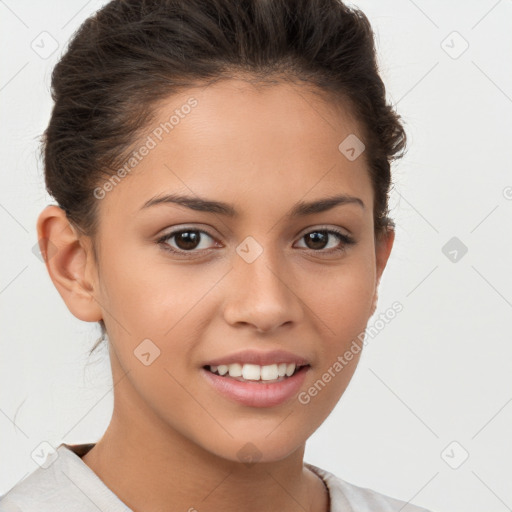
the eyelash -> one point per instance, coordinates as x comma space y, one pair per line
346, 239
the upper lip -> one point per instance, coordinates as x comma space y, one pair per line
259, 358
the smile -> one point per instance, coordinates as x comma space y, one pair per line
254, 385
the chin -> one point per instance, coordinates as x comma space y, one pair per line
249, 450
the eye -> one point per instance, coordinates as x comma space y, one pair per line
319, 237
189, 240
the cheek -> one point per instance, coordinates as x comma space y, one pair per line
160, 301
342, 309
147, 293
341, 299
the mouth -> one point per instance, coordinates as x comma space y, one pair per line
253, 385
264, 374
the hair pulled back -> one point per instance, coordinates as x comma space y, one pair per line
131, 54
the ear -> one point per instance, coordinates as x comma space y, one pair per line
383, 246
70, 263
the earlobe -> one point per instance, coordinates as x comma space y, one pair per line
68, 259
375, 300
382, 253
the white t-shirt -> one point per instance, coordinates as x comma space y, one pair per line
68, 484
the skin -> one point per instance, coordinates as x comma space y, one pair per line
262, 150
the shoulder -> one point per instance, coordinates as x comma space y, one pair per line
346, 496
38, 488
62, 483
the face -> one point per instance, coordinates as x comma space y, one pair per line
182, 289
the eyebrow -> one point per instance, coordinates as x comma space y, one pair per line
300, 209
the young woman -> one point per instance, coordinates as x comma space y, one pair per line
222, 171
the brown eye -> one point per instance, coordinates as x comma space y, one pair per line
186, 240
318, 239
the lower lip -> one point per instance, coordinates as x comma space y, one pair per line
257, 394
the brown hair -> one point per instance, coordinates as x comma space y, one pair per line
131, 54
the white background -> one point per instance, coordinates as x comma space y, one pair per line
440, 372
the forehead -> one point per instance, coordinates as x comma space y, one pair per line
235, 110
228, 139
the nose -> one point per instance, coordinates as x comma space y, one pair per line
262, 295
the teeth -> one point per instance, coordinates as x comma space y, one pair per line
222, 369
269, 372
255, 371
251, 372
235, 370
